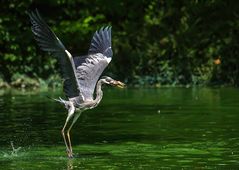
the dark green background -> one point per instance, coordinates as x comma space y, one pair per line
155, 42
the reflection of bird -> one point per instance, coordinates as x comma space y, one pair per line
80, 74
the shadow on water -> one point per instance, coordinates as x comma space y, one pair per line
132, 129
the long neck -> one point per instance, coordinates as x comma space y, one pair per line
99, 92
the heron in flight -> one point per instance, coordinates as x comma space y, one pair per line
80, 74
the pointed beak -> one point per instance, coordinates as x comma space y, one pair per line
119, 84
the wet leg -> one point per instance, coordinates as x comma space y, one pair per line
77, 115
69, 116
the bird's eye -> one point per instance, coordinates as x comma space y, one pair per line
108, 79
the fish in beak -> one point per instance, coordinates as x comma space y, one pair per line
118, 84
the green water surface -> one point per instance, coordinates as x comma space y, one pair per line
166, 128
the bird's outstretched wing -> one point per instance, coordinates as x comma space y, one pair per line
49, 42
101, 42
90, 67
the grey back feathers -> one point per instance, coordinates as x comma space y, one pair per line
80, 74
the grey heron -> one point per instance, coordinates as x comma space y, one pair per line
80, 74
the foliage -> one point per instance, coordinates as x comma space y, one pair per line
22, 81
155, 42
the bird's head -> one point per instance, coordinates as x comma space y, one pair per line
110, 81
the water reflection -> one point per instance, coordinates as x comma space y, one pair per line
195, 128
70, 165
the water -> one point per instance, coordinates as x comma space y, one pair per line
167, 128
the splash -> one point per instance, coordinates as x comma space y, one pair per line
14, 153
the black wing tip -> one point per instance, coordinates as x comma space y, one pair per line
32, 13
34, 16
104, 28
101, 41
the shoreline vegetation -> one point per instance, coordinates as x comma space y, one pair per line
23, 82
28, 83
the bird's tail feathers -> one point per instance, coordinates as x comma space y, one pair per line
62, 101
58, 100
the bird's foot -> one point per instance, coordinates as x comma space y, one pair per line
69, 153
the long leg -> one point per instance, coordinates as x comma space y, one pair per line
69, 116
68, 131
63, 132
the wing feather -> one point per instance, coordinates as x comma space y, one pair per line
49, 42
89, 71
90, 67
101, 42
